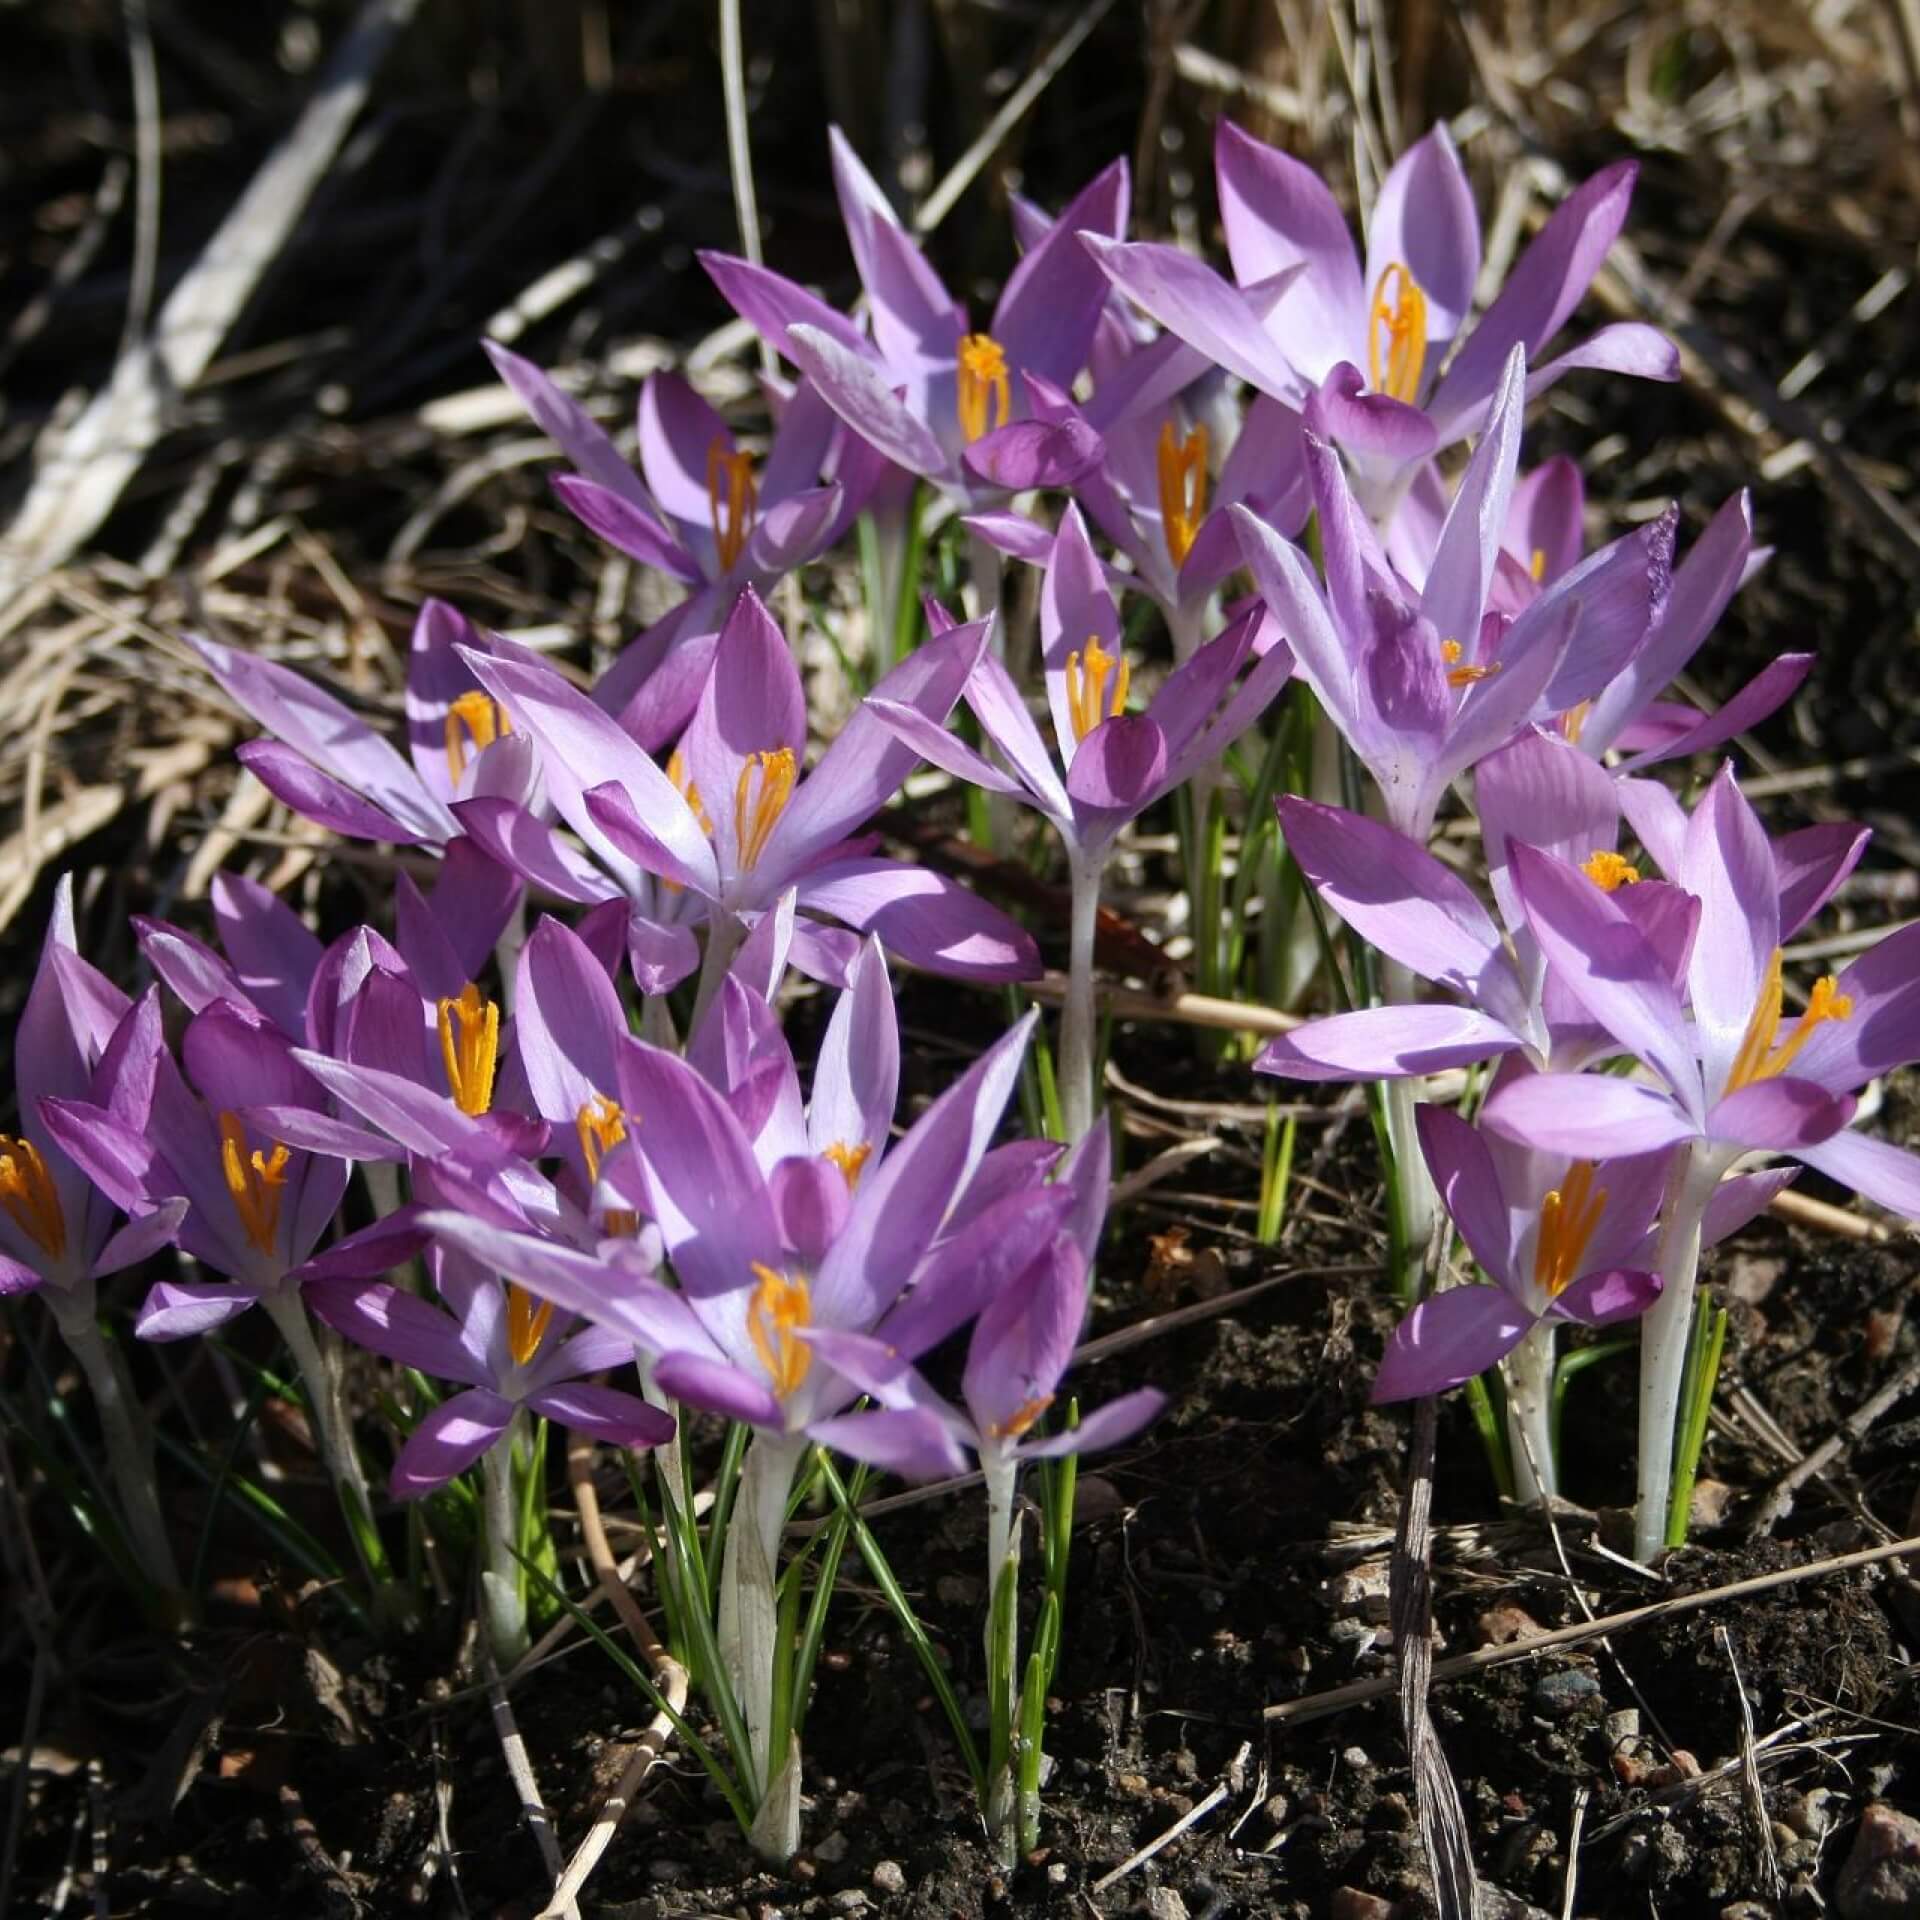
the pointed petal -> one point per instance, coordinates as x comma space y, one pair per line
1770, 689
180, 1310
1876, 1170
1424, 219
1779, 1116
1447, 1339
718, 1387
860, 393
1461, 576
927, 919
856, 1079
625, 524
1387, 1043
1468, 1181
620, 1419
448, 1441
1586, 1116
293, 779
1605, 1298
399, 1325
1726, 863
1052, 300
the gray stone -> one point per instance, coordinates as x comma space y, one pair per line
1881, 1880
1565, 1692
889, 1876
832, 1850
1162, 1903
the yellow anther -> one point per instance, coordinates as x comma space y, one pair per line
1459, 676
30, 1197
732, 498
1609, 872
1568, 1216
1537, 565
983, 392
476, 717
602, 1126
782, 1307
527, 1323
1763, 1054
1183, 489
1573, 722
850, 1160
1087, 675
1403, 314
470, 1046
681, 776
760, 798
256, 1181
1021, 1419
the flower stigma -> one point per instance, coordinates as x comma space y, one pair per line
732, 499
602, 1125
1183, 489
470, 1047
1573, 722
1568, 1216
1763, 1054
527, 1323
1459, 676
30, 1197
1403, 314
983, 392
475, 717
782, 1307
1087, 676
760, 798
1021, 1419
256, 1181
1609, 872
850, 1160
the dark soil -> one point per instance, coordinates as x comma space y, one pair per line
1234, 1558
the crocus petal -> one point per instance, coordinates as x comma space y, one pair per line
1118, 768
1586, 1116
1387, 1043
930, 921
448, 1441
1034, 453
1876, 1170
719, 1388
1781, 1116
620, 1419
811, 1202
1726, 863
1541, 791
1461, 576
1744, 1198
178, 1310
1013, 534
1467, 1180
1189, 299
856, 1078
1369, 423
1024, 1338
913, 1442
435, 680
1883, 1031
568, 1025
273, 951
770, 303
935, 745
526, 845
196, 975
400, 1325
678, 431
1424, 220
1609, 967
119, 1159
1104, 1427
1611, 1295
294, 780
1546, 520
997, 704
1281, 574
1770, 689
1047, 311
140, 1239
859, 393
565, 422
1447, 1339
623, 523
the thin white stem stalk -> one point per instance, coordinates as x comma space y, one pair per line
503, 1603
1664, 1331
1000, 1471
1076, 1010
1413, 1185
1530, 1415
724, 934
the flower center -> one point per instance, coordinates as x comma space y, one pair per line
602, 1126
731, 498
470, 1046
1457, 675
760, 798
1021, 1419
1568, 1216
527, 1323
476, 717
1402, 314
850, 1160
256, 1181
983, 392
1609, 872
1183, 489
782, 1306
1087, 676
1573, 722
30, 1197
1763, 1054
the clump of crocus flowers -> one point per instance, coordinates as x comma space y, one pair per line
594, 1185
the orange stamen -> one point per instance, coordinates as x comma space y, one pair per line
1021, 1419
30, 1197
983, 390
1568, 1216
1763, 1054
477, 717
470, 1048
527, 1323
602, 1126
731, 497
850, 1160
782, 1306
1609, 872
256, 1181
1404, 316
1183, 489
1087, 675
758, 802
1459, 676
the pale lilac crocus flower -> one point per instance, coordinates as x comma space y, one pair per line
733, 823
1365, 351
1106, 765
1737, 1077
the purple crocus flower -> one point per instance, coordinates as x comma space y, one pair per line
327, 764
968, 411
732, 823
504, 1351
1361, 351
1422, 685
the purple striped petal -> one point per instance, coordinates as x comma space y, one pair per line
620, 1419
930, 921
1605, 1298
1586, 1116
448, 1441
1448, 1339
1387, 1043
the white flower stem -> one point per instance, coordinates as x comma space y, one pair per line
502, 1594
1000, 1471
1529, 1370
1664, 1332
129, 1441
1413, 1195
724, 934
749, 1577
1076, 1011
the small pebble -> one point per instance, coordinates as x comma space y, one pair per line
889, 1876
1355, 1759
1057, 1873
1353, 1903
832, 1850
1810, 1814
1162, 1903
1565, 1692
1502, 1626
849, 1900
1881, 1880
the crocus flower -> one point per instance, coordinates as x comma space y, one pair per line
965, 410
1364, 351
1422, 685
733, 823
327, 764
503, 1351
